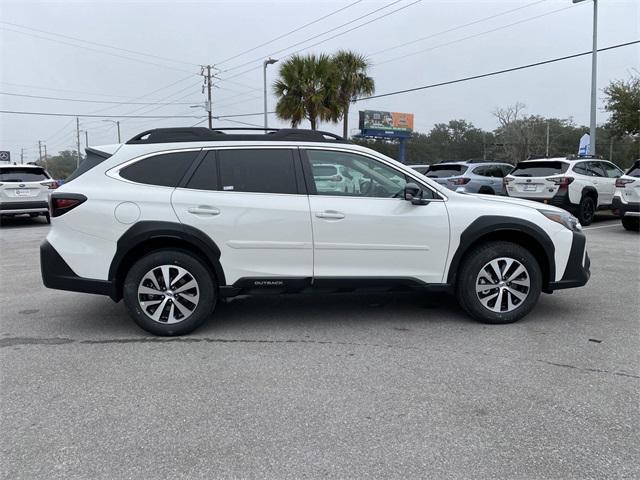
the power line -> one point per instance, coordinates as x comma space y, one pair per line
475, 35
453, 29
89, 115
137, 60
39, 87
289, 32
98, 44
90, 101
497, 72
320, 34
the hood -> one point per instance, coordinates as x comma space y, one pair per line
519, 201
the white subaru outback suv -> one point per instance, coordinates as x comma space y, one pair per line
24, 189
626, 201
176, 219
580, 186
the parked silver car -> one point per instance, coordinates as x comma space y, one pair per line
471, 176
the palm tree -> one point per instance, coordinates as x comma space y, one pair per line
307, 89
353, 82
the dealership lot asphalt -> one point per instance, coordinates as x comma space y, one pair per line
322, 386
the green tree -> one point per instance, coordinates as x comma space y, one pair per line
352, 82
62, 165
623, 103
307, 89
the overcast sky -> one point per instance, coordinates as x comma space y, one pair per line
187, 34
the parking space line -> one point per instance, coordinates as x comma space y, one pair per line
602, 226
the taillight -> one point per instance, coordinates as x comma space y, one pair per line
505, 181
52, 185
563, 182
459, 180
59, 204
621, 182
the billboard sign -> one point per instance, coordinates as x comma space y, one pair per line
386, 124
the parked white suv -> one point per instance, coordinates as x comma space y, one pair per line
175, 219
626, 201
24, 189
580, 186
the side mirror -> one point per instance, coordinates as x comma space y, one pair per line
413, 194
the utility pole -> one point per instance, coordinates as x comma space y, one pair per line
207, 83
40, 151
547, 154
46, 162
22, 156
86, 138
611, 148
78, 140
118, 125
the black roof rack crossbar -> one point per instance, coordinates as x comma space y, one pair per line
203, 134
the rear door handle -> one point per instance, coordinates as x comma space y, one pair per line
330, 214
204, 210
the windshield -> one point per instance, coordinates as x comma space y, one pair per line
324, 170
443, 171
539, 169
23, 175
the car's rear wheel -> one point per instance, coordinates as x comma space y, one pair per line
169, 292
631, 223
586, 210
499, 282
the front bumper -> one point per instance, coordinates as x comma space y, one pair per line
578, 270
625, 209
38, 206
58, 275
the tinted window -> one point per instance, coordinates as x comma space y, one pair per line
611, 170
164, 170
506, 169
324, 170
539, 169
23, 175
483, 171
206, 175
90, 161
359, 176
635, 170
595, 168
581, 168
255, 170
443, 171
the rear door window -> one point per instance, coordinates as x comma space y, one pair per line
634, 171
443, 171
165, 170
23, 175
595, 169
258, 170
539, 169
482, 171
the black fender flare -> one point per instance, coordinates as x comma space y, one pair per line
146, 231
494, 225
587, 191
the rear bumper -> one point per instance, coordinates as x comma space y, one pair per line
578, 270
38, 206
58, 275
624, 209
560, 199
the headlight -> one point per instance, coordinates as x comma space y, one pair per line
563, 218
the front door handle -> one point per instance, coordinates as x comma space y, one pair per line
204, 210
330, 214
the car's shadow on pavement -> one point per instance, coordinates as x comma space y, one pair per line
23, 221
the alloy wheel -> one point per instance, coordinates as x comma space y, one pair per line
503, 284
168, 294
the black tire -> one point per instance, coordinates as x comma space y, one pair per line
34, 215
631, 223
586, 210
486, 191
197, 269
470, 268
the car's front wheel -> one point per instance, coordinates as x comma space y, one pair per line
499, 282
169, 292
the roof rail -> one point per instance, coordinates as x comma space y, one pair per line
203, 134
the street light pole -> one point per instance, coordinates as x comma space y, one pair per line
117, 122
269, 61
594, 75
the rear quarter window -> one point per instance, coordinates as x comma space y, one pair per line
634, 171
91, 160
539, 169
165, 170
